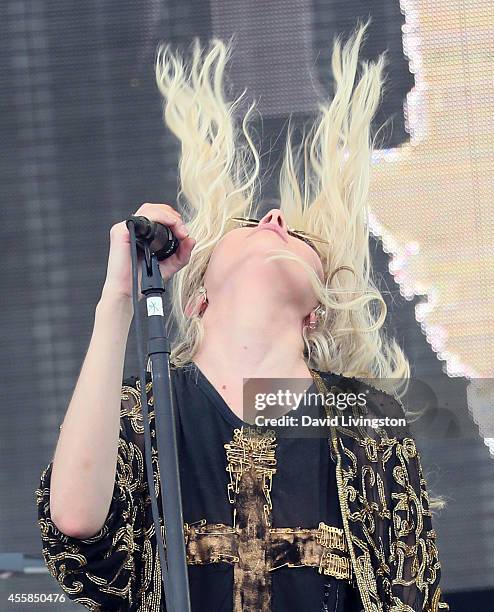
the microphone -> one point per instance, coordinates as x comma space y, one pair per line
162, 242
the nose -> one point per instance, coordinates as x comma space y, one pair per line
275, 216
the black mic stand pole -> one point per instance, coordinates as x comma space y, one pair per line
152, 286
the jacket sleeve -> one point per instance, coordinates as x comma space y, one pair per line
386, 505
414, 557
102, 572
411, 581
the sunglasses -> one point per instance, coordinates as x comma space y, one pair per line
309, 239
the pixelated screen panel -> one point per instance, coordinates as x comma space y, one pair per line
432, 196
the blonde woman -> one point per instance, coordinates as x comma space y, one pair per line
339, 521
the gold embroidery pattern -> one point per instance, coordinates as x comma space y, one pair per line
132, 580
322, 548
250, 450
388, 529
128, 535
251, 544
211, 543
131, 405
251, 464
68, 558
258, 547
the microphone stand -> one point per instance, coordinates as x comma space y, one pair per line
173, 560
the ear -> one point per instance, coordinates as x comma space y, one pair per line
195, 306
310, 319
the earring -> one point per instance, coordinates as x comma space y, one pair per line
319, 313
196, 304
204, 295
341, 268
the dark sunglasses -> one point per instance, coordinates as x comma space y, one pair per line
309, 239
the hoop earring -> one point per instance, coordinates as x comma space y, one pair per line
341, 268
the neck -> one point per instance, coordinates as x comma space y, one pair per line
245, 337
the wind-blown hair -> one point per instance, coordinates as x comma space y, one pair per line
219, 178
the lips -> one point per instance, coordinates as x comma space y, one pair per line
273, 228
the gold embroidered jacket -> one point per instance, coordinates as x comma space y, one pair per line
385, 509
383, 499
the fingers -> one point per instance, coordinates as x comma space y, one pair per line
184, 251
162, 213
167, 215
179, 259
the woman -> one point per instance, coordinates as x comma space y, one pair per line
273, 521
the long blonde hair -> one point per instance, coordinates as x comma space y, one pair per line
219, 178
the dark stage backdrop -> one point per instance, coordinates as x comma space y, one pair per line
83, 145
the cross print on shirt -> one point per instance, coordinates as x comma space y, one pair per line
251, 544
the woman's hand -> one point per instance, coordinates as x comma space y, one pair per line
118, 281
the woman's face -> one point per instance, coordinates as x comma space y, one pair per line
239, 262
